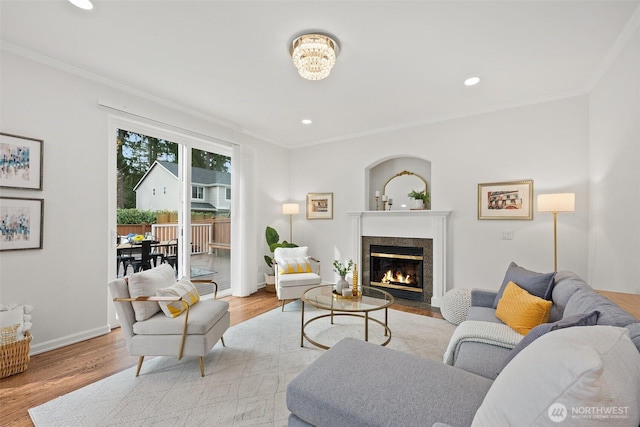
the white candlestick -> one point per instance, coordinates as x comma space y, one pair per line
377, 194
384, 197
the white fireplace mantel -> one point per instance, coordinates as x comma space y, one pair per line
423, 224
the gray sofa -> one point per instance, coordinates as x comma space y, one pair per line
560, 376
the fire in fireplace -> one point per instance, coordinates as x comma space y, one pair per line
397, 268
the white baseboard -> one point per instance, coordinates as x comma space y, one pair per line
436, 302
68, 340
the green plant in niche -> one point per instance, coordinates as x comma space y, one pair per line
273, 238
420, 195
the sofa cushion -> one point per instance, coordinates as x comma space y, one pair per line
183, 288
302, 279
567, 283
587, 300
338, 389
588, 319
538, 284
568, 372
522, 311
146, 283
202, 317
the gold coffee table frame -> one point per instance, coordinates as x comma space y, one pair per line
370, 299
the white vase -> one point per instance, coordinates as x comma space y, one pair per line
341, 284
417, 204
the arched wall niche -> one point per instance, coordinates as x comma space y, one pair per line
379, 173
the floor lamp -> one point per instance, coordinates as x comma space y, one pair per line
554, 203
290, 209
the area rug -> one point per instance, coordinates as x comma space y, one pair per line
244, 383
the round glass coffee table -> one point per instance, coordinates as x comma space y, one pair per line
368, 300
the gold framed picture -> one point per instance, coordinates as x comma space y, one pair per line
320, 206
506, 200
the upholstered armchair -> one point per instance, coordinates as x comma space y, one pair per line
296, 272
162, 316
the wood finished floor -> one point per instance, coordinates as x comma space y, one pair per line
64, 370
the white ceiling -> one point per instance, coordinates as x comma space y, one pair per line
401, 63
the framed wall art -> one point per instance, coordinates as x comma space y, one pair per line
20, 162
320, 206
506, 200
21, 226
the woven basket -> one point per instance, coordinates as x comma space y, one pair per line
14, 357
271, 288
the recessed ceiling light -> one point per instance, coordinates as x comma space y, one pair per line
306, 122
82, 4
472, 81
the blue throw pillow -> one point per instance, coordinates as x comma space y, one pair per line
589, 319
538, 284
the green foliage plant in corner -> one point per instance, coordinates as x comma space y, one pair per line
273, 238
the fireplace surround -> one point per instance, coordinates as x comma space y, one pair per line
400, 266
419, 224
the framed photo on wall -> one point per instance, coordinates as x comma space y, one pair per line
20, 162
21, 226
320, 206
506, 200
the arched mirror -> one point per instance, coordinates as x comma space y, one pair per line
400, 185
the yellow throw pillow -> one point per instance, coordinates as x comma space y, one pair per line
522, 311
294, 266
184, 289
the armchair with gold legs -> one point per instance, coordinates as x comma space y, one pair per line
184, 326
296, 272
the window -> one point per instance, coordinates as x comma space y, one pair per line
197, 192
228, 193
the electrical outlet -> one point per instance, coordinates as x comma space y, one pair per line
507, 234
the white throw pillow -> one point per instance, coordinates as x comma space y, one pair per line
281, 254
10, 318
183, 289
579, 376
146, 283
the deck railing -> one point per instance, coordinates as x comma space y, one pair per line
216, 231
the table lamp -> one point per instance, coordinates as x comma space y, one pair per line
554, 203
290, 209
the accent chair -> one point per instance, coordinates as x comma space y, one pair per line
162, 316
296, 272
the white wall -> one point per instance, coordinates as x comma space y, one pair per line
545, 142
548, 142
66, 281
614, 163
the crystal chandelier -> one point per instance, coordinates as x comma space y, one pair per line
314, 55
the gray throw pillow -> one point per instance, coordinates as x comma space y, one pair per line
538, 284
589, 319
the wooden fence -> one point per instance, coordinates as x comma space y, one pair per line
206, 234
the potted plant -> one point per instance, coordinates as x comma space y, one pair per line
273, 238
420, 199
342, 271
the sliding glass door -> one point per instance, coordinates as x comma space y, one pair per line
172, 192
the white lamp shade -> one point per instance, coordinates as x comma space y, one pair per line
559, 202
290, 209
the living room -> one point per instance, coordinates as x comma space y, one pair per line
584, 139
